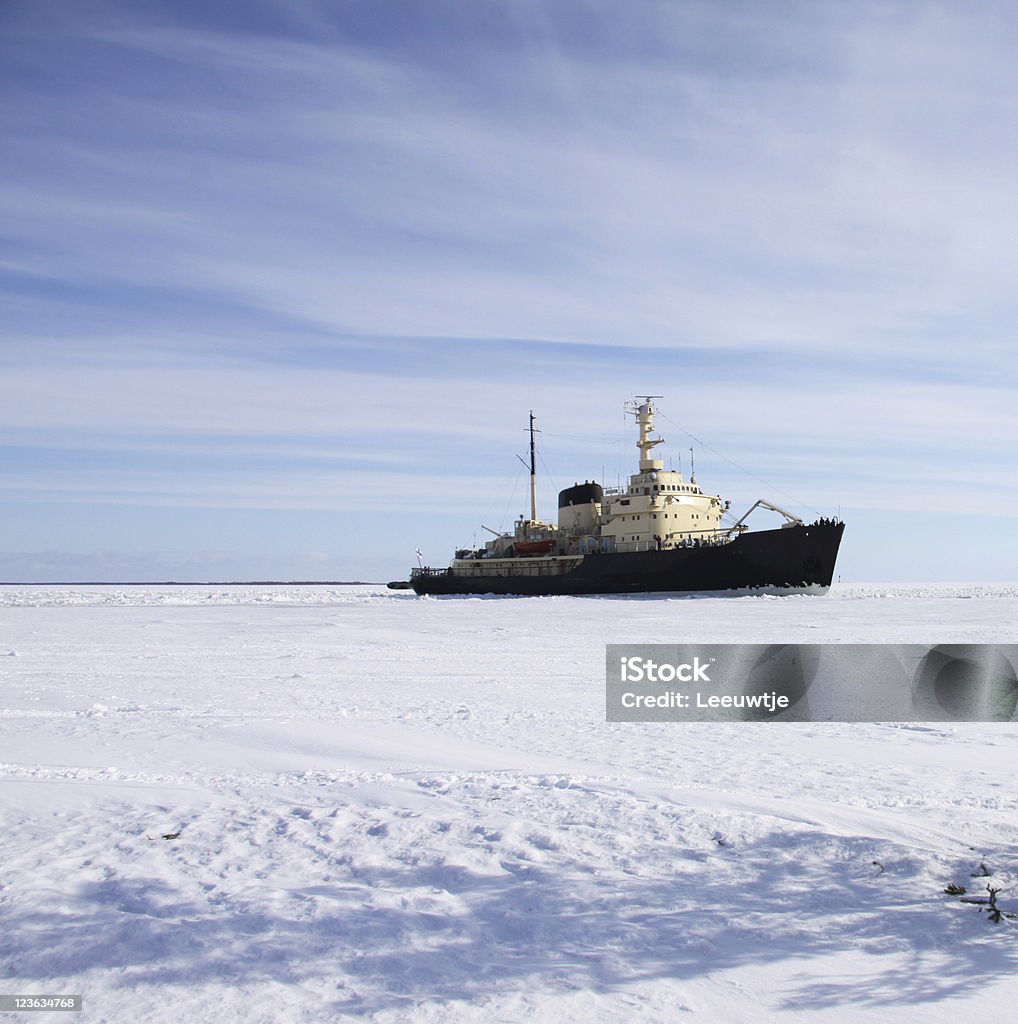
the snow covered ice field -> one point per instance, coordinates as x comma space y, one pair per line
390, 808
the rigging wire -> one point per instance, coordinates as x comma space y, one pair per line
611, 449
547, 471
617, 443
516, 483
732, 462
590, 438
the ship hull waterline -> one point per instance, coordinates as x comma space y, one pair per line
790, 559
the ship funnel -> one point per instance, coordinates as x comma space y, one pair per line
579, 506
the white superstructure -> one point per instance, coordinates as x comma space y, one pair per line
659, 509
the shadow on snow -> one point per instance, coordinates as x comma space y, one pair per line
390, 935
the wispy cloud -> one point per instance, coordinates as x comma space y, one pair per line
270, 251
557, 193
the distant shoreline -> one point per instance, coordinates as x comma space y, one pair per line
181, 583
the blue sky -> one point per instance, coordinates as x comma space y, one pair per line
281, 282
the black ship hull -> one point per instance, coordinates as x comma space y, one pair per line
793, 558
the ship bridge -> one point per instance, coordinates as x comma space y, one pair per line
659, 509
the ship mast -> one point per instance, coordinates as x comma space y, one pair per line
644, 413
533, 473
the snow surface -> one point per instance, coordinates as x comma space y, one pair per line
394, 808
